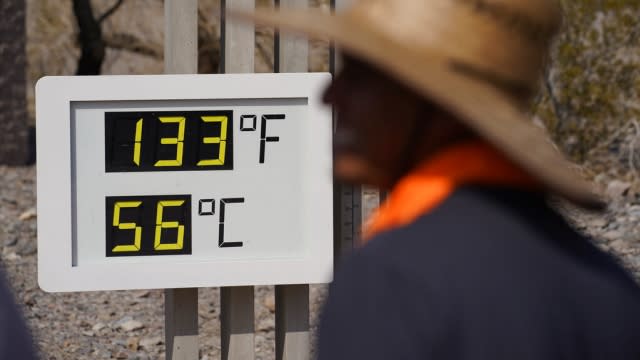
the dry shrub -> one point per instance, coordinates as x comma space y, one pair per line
589, 100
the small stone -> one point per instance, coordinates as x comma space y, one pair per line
131, 325
270, 303
266, 325
612, 235
12, 257
122, 355
27, 247
133, 343
600, 178
28, 215
634, 211
618, 245
143, 294
120, 343
121, 321
99, 326
617, 188
598, 223
88, 333
148, 343
10, 240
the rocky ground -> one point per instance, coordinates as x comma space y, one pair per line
129, 324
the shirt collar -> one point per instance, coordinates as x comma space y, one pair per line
435, 179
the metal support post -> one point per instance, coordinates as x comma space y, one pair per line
237, 311
292, 322
292, 301
349, 211
237, 324
181, 324
181, 57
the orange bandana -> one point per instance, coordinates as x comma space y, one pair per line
429, 184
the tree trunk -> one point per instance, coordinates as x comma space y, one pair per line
13, 108
90, 36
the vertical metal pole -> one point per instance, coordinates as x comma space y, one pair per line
181, 324
237, 311
238, 40
292, 301
181, 36
292, 322
292, 50
335, 62
181, 57
348, 210
236, 323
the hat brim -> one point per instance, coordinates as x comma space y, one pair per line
483, 107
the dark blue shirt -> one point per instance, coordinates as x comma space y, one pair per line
490, 274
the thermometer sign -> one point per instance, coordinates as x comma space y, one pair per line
208, 180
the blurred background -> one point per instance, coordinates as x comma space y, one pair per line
588, 102
109, 37
588, 99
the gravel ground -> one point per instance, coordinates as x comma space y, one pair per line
129, 324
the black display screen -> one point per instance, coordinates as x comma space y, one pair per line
168, 141
148, 225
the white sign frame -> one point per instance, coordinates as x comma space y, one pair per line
54, 98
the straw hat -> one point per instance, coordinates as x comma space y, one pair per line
480, 59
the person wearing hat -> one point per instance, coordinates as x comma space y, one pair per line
465, 259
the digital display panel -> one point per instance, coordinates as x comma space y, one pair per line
168, 141
201, 180
148, 225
